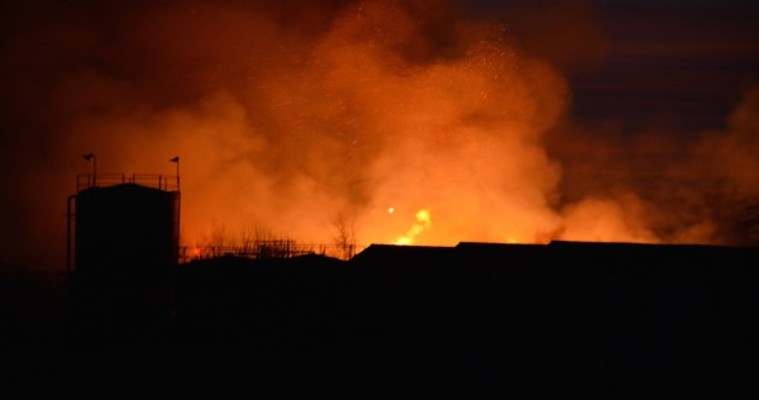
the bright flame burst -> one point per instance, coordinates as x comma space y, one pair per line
423, 222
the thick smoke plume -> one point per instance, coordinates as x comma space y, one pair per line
662, 187
289, 118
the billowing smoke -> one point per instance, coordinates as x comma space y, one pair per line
656, 186
290, 119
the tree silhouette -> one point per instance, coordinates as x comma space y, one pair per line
345, 240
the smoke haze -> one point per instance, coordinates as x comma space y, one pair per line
289, 119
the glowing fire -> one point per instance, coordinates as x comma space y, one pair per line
362, 113
423, 222
196, 252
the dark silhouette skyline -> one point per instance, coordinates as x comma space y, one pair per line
579, 319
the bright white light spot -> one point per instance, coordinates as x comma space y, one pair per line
391, 210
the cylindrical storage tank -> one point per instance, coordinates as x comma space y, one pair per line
128, 230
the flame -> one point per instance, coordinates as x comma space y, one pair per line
423, 222
347, 108
196, 251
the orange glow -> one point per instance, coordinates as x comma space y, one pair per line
353, 125
196, 252
342, 121
423, 222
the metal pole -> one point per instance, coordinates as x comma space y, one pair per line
68, 233
91, 157
176, 161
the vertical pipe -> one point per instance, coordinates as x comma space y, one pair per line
179, 215
68, 232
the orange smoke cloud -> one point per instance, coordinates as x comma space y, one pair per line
290, 118
347, 123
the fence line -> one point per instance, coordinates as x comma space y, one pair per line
262, 249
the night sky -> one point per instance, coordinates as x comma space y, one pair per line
684, 62
646, 83
689, 59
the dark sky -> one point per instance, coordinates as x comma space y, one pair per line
685, 63
691, 59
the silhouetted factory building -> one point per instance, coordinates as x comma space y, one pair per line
605, 319
126, 223
125, 232
601, 320
572, 311
554, 318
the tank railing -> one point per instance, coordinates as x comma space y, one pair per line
85, 181
169, 183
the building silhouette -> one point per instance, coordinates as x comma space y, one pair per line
126, 225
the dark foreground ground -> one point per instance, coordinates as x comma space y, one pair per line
568, 320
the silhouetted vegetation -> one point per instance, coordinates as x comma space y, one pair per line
345, 240
261, 244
